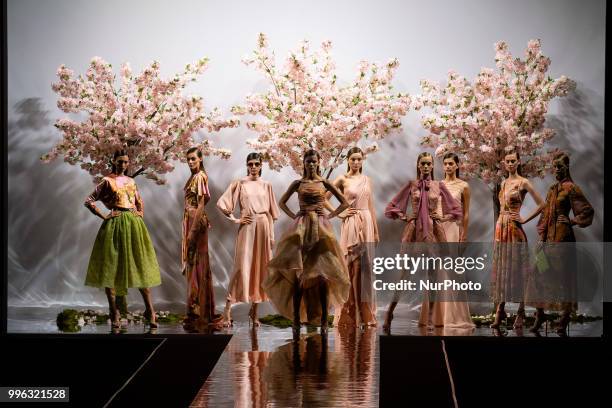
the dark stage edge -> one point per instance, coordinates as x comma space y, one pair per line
97, 367
493, 372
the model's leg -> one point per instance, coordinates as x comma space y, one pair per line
253, 315
540, 318
149, 310
323, 297
227, 314
389, 316
520, 317
500, 315
297, 300
114, 314
565, 319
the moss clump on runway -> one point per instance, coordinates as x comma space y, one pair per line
282, 322
71, 320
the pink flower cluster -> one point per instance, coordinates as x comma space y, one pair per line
147, 116
500, 110
307, 109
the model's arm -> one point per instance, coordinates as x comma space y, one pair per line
139, 203
95, 196
373, 211
228, 201
343, 203
398, 205
465, 200
200, 221
537, 198
283, 201
583, 211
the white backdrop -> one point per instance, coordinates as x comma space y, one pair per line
51, 233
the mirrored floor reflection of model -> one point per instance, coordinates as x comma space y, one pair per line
308, 272
196, 262
123, 255
511, 254
258, 211
555, 226
432, 205
358, 235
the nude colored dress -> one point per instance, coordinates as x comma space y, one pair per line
253, 249
454, 312
307, 253
358, 235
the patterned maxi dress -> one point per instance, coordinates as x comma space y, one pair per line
196, 263
555, 288
510, 252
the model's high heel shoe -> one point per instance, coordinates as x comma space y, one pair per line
519, 320
150, 318
540, 319
499, 316
387, 323
116, 322
563, 325
324, 327
253, 318
227, 321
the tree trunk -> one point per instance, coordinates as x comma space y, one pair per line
496, 205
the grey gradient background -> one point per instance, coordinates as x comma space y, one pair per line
51, 233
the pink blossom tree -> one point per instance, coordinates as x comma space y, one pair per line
305, 107
500, 110
146, 115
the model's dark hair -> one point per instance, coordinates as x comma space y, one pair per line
451, 155
419, 157
351, 152
118, 153
566, 160
200, 156
255, 156
308, 153
518, 157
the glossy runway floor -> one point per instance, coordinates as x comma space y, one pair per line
265, 367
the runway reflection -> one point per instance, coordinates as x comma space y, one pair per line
337, 369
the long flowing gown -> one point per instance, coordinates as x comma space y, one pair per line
511, 253
420, 226
253, 249
196, 265
358, 235
454, 312
307, 253
555, 288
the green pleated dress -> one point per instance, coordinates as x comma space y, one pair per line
123, 255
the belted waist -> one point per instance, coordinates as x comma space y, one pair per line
123, 209
318, 211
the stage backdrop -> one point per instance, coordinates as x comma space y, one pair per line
50, 232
